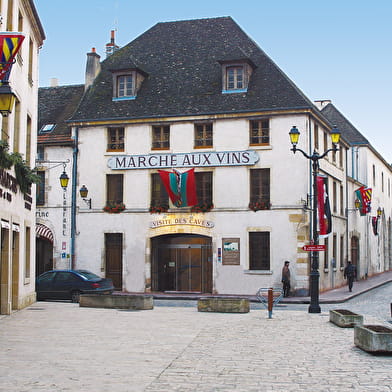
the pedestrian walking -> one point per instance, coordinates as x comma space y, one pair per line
350, 273
286, 279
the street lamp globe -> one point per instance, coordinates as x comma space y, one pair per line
335, 135
294, 135
64, 180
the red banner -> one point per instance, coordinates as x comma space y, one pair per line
324, 210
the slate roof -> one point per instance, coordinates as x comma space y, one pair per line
349, 132
55, 106
182, 61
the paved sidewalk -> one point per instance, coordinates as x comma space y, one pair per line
58, 346
342, 294
328, 297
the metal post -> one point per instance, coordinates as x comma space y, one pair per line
270, 301
314, 276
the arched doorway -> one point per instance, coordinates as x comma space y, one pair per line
181, 263
44, 249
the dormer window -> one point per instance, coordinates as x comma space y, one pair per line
126, 83
236, 76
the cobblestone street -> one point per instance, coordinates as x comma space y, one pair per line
53, 346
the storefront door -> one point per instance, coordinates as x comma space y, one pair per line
182, 264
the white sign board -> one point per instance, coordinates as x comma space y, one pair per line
195, 159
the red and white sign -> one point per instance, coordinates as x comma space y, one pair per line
313, 248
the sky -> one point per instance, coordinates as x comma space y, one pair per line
337, 49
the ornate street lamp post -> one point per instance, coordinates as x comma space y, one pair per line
314, 276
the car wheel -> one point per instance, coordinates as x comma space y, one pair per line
75, 296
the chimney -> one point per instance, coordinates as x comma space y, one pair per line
111, 47
93, 67
54, 82
321, 103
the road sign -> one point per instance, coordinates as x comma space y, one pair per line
313, 248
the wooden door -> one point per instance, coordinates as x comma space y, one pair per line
113, 258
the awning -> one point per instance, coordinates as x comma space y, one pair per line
43, 231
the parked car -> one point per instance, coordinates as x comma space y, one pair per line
69, 284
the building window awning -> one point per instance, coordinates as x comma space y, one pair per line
43, 231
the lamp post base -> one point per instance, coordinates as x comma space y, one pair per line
314, 306
314, 309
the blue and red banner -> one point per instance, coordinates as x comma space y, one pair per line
10, 44
324, 209
364, 195
181, 187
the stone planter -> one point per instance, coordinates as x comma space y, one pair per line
223, 305
134, 302
345, 318
375, 339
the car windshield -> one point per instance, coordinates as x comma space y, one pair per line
88, 275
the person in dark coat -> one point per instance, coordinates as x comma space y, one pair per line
350, 274
286, 279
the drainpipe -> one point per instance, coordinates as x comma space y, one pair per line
73, 196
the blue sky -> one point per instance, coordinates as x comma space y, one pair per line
337, 49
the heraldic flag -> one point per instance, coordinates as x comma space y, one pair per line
364, 195
181, 187
324, 209
9, 45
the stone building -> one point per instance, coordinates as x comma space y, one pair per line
369, 236
18, 139
200, 95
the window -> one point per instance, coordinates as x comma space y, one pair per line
341, 155
334, 197
47, 128
114, 188
41, 188
10, 15
28, 141
203, 135
125, 86
31, 59
27, 252
203, 182
17, 119
115, 139
334, 249
374, 175
382, 182
126, 83
234, 78
341, 252
325, 141
159, 196
259, 132
236, 75
259, 251
260, 188
160, 137
326, 255
40, 153
316, 137
341, 200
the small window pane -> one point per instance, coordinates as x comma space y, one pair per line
259, 132
161, 137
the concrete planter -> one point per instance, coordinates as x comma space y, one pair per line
375, 339
223, 305
134, 302
345, 318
